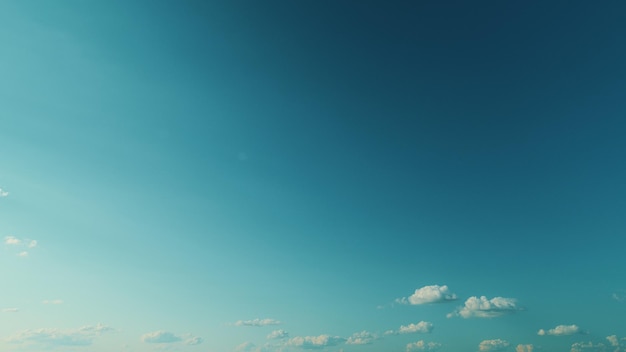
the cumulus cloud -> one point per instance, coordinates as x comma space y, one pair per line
486, 308
10, 310
160, 337
278, 334
421, 345
423, 327
561, 330
428, 294
257, 322
3, 193
315, 342
524, 348
587, 346
493, 345
52, 337
12, 240
361, 338
52, 301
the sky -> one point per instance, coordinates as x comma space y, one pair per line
283, 176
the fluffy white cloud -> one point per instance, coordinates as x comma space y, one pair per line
428, 294
422, 346
10, 310
313, 342
52, 301
493, 345
3, 193
160, 337
361, 338
561, 330
587, 346
257, 322
524, 348
12, 240
278, 334
486, 308
423, 327
51, 337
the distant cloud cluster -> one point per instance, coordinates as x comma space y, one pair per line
524, 348
361, 338
421, 345
52, 338
428, 294
321, 341
587, 347
22, 245
166, 337
278, 334
483, 307
493, 345
561, 330
257, 322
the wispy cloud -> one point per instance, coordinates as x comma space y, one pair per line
160, 337
257, 322
3, 193
361, 338
12, 240
493, 345
524, 348
20, 244
278, 334
421, 345
314, 342
422, 327
486, 308
10, 310
52, 337
250, 347
52, 301
561, 330
429, 294
587, 347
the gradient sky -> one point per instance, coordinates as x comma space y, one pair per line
337, 175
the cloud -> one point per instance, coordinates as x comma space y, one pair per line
619, 296
587, 346
561, 330
423, 327
257, 322
422, 346
493, 345
361, 338
3, 193
486, 308
160, 337
12, 240
315, 342
22, 254
32, 244
278, 334
250, 347
52, 337
193, 340
10, 310
524, 348
20, 245
52, 301
428, 294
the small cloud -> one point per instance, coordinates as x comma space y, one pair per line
278, 334
10, 310
561, 330
587, 346
361, 338
422, 327
20, 245
486, 308
250, 347
160, 337
193, 340
315, 342
3, 193
22, 254
257, 322
619, 296
422, 346
52, 337
524, 348
12, 240
32, 244
52, 301
428, 294
493, 345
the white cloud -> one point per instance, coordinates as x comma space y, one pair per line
278, 334
20, 245
428, 294
52, 301
613, 340
313, 342
22, 254
361, 338
561, 330
52, 337
3, 193
587, 346
524, 348
486, 308
422, 346
160, 337
193, 340
257, 322
12, 240
10, 310
32, 244
493, 345
423, 327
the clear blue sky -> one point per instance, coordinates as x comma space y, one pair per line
337, 175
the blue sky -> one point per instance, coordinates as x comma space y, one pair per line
337, 176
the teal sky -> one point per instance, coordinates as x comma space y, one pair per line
312, 175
